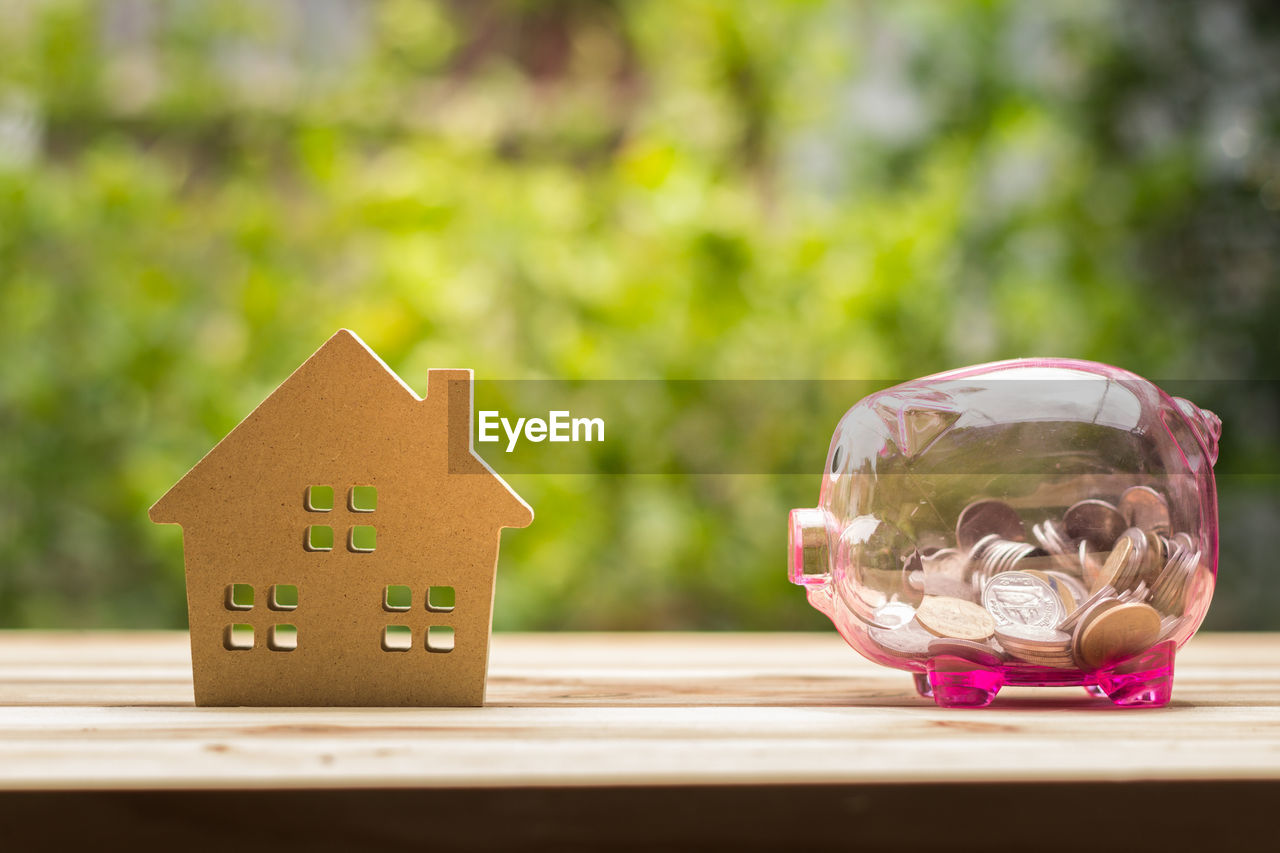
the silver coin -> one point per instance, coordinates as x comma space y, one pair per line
1025, 636
946, 573
980, 653
1017, 598
910, 640
988, 516
1097, 522
1056, 543
895, 614
1144, 507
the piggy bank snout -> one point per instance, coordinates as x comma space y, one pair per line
809, 546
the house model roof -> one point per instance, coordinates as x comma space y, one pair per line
344, 400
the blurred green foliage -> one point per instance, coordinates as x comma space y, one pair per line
194, 196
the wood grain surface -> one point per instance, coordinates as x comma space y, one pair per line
703, 722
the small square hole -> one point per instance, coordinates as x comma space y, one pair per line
238, 637
320, 498
440, 599
364, 538
439, 638
397, 598
283, 638
397, 638
240, 596
284, 596
319, 538
364, 498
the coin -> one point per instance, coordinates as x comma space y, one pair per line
895, 614
988, 516
1144, 507
980, 653
1090, 563
1119, 633
1085, 618
1124, 563
1037, 645
1019, 598
993, 555
909, 640
1086, 607
1069, 586
1097, 522
954, 617
1055, 542
1169, 591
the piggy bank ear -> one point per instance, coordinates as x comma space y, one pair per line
918, 419
1207, 426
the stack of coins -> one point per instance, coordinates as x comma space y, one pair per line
1100, 584
1114, 630
1169, 591
1039, 646
992, 555
1123, 568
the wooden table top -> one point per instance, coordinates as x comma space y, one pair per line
796, 715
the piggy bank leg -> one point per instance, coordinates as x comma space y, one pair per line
1145, 680
958, 683
1095, 691
923, 687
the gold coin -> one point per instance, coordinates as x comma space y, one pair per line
1114, 566
954, 617
1119, 633
1063, 592
1144, 507
1157, 556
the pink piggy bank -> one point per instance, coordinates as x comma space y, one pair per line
1036, 522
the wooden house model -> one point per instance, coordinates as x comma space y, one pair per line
341, 543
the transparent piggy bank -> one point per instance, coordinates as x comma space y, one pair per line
1029, 522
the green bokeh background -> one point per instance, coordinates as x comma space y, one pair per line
194, 196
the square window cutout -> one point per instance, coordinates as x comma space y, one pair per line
440, 599
397, 638
283, 638
363, 498
320, 498
319, 538
439, 638
237, 638
397, 598
284, 596
364, 538
239, 596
